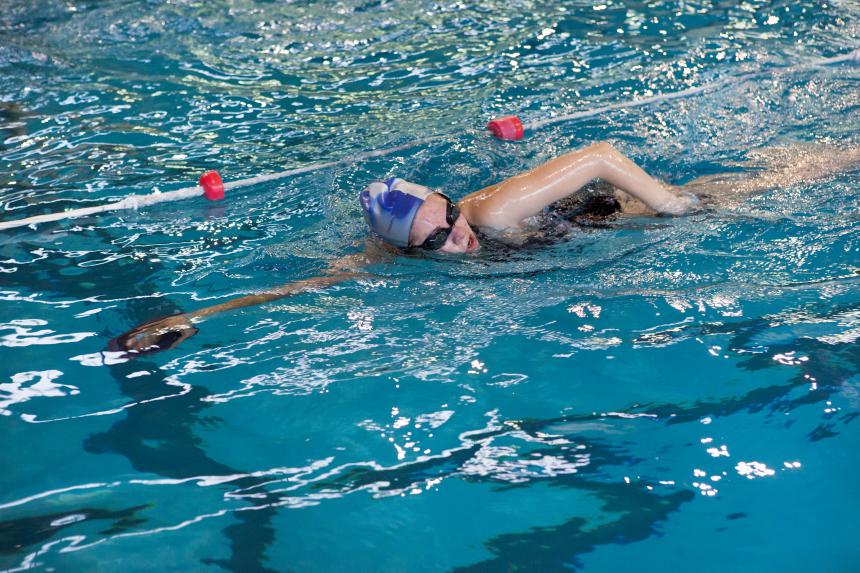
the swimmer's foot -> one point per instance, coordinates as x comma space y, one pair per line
154, 336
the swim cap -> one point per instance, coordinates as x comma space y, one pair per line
390, 207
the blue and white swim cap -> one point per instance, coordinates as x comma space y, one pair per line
390, 207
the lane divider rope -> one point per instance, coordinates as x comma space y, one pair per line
212, 187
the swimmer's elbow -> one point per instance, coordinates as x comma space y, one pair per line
602, 148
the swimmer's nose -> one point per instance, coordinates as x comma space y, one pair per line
461, 238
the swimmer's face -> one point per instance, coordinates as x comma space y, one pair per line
431, 216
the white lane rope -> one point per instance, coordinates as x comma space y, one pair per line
138, 201
851, 56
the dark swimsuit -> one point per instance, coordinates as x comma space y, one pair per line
593, 207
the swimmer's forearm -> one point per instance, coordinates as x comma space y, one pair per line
340, 270
275, 294
150, 336
623, 173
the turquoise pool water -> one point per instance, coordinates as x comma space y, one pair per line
660, 394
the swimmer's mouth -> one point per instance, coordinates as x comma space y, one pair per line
473, 243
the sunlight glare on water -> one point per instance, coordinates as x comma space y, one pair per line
676, 392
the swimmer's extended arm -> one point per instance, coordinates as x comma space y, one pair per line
344, 269
288, 289
168, 332
507, 203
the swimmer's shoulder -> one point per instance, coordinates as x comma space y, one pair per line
488, 209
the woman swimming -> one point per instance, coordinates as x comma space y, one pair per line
411, 216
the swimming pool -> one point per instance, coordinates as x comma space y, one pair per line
670, 393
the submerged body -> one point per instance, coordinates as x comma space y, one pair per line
412, 216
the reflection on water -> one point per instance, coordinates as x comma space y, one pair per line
630, 391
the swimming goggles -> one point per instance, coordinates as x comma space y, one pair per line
436, 240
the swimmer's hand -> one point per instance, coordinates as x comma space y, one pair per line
682, 203
154, 336
678, 201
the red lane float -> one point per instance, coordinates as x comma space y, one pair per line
213, 186
505, 128
508, 128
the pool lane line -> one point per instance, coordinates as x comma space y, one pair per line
209, 185
505, 128
853, 56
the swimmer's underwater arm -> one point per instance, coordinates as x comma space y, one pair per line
331, 277
338, 271
508, 203
168, 332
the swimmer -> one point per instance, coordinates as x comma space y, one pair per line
412, 217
